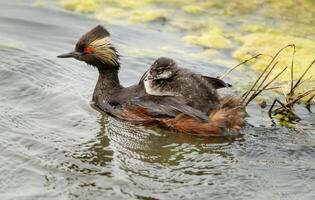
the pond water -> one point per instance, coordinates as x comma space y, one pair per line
54, 145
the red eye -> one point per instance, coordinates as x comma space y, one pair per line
87, 50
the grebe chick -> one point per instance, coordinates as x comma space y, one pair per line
165, 78
135, 104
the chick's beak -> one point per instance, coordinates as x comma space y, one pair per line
149, 78
70, 55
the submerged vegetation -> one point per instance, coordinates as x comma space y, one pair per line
240, 30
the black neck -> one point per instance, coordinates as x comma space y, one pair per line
109, 76
107, 84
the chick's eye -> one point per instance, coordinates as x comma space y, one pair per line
87, 50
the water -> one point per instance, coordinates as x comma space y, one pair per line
54, 145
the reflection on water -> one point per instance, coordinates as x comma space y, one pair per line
54, 145
263, 164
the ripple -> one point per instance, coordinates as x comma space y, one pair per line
53, 145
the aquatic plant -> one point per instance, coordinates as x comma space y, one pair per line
269, 43
285, 113
193, 9
286, 108
211, 38
84, 6
148, 16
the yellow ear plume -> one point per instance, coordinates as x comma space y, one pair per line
104, 51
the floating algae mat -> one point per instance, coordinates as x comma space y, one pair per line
227, 31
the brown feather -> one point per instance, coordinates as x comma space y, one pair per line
228, 118
187, 124
234, 110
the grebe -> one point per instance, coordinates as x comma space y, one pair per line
135, 103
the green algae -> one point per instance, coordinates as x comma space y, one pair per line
189, 26
84, 6
285, 120
148, 16
260, 28
267, 43
211, 38
296, 10
192, 9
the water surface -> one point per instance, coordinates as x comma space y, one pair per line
54, 145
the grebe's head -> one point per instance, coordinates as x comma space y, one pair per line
162, 68
95, 49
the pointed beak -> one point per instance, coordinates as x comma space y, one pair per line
70, 55
149, 78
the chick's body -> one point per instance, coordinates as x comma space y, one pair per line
165, 78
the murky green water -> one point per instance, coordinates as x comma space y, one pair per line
54, 145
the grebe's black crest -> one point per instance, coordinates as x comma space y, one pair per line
95, 49
95, 34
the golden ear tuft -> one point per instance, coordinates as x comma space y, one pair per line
104, 51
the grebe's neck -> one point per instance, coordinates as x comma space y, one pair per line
109, 77
107, 84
